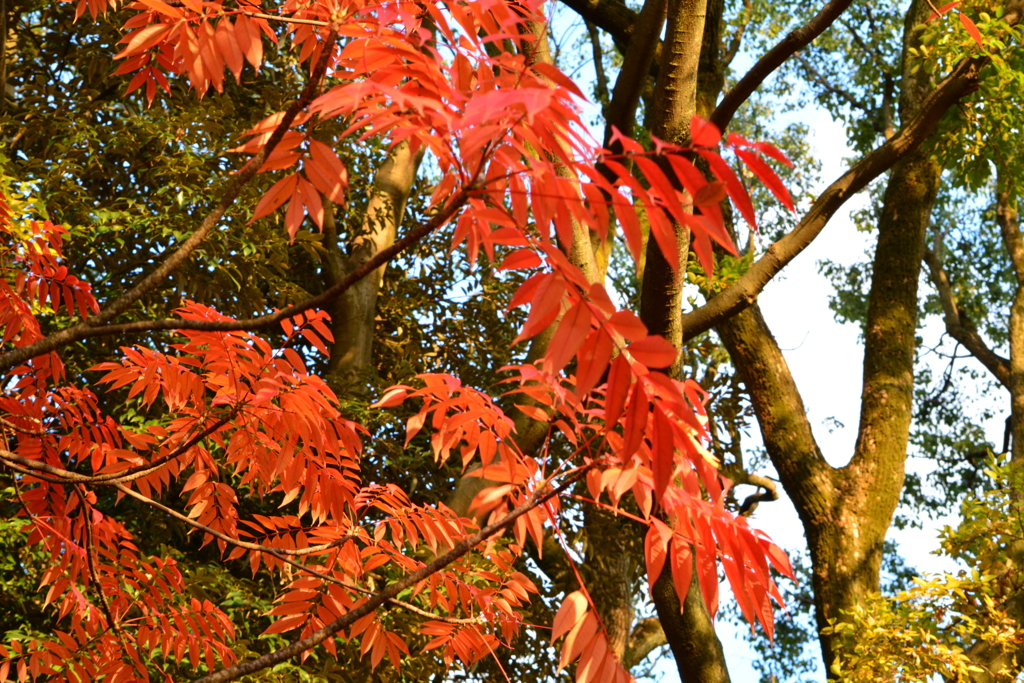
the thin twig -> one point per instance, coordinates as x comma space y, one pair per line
287, 20
22, 430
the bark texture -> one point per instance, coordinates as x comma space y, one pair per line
847, 511
353, 313
690, 47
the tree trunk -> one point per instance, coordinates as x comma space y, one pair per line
353, 313
846, 512
690, 631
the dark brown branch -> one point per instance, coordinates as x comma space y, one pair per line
393, 589
963, 80
22, 430
611, 16
637, 61
602, 78
773, 59
150, 282
959, 327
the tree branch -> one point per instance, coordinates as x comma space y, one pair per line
773, 59
611, 16
647, 635
131, 474
958, 326
737, 36
637, 60
282, 555
84, 331
820, 79
602, 78
962, 80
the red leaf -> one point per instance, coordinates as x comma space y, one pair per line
392, 397
572, 610
767, 176
770, 150
286, 624
628, 325
555, 75
571, 333
942, 10
682, 568
521, 259
326, 172
295, 213
737, 192
704, 133
592, 360
544, 308
972, 30
584, 633
636, 421
655, 546
630, 223
277, 195
654, 351
619, 378
663, 451
143, 39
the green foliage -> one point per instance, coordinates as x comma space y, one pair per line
943, 622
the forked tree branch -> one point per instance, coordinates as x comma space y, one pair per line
393, 589
796, 40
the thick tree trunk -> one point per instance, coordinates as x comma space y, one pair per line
846, 512
353, 313
690, 631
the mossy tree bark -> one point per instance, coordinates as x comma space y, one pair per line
847, 511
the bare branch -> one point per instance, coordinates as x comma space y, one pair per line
959, 327
602, 78
821, 80
642, 54
737, 36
